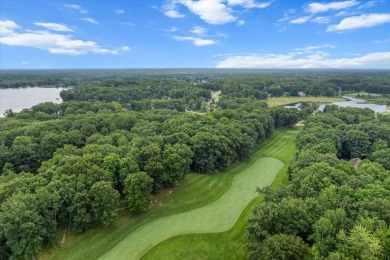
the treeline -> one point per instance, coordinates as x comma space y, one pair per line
383, 99
331, 209
25, 141
290, 84
70, 165
48, 110
256, 84
124, 91
243, 86
140, 95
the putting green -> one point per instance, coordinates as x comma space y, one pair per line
218, 216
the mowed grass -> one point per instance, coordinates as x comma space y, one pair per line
230, 244
218, 216
197, 190
282, 101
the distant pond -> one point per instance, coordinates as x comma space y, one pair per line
359, 103
20, 98
350, 102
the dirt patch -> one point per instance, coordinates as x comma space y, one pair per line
158, 200
64, 238
215, 96
355, 162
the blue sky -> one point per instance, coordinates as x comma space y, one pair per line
194, 33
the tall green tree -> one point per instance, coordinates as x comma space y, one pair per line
358, 144
280, 246
104, 202
138, 189
22, 226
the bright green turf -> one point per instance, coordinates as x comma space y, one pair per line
231, 244
281, 101
197, 190
218, 216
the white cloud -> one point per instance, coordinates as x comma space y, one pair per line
211, 11
321, 19
249, 3
360, 21
90, 20
126, 48
77, 8
325, 7
196, 41
315, 47
12, 35
240, 22
170, 9
173, 14
313, 60
119, 11
370, 4
300, 20
55, 27
199, 30
8, 27
344, 13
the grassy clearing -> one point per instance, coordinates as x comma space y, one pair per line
218, 216
282, 101
230, 244
196, 191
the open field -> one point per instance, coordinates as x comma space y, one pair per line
282, 101
230, 244
197, 191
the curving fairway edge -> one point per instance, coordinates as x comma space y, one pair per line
219, 216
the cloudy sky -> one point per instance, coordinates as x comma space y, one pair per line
194, 33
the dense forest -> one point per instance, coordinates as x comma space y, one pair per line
120, 138
72, 164
331, 209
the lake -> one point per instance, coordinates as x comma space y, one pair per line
359, 103
350, 102
20, 98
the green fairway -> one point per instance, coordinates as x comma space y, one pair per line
196, 191
230, 244
282, 101
215, 217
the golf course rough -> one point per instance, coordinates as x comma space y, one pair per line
219, 216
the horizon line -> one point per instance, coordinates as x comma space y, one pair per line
189, 68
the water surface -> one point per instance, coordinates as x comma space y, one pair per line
358, 103
19, 98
